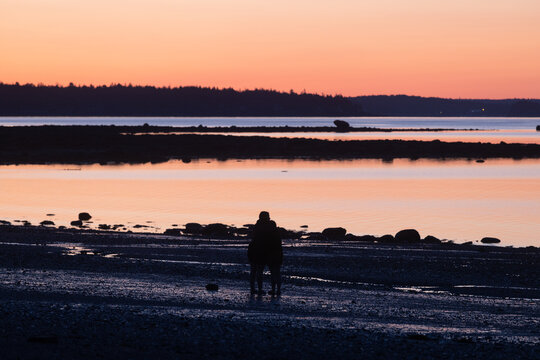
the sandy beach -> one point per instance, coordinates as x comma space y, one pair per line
88, 294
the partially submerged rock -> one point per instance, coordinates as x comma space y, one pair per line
342, 126
46, 223
490, 240
76, 223
84, 216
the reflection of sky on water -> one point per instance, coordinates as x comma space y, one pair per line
460, 200
524, 136
306, 170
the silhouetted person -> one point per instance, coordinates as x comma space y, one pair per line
265, 249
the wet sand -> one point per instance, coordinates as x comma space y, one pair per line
86, 294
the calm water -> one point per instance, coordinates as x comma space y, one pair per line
457, 200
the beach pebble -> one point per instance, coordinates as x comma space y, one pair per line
212, 287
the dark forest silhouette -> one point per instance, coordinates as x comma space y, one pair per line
128, 100
404, 105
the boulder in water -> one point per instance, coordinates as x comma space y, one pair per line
342, 126
46, 223
490, 240
76, 223
84, 216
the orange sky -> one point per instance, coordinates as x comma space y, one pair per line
459, 48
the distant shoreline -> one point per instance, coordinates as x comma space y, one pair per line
116, 144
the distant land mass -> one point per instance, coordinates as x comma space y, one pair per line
128, 100
404, 105
122, 100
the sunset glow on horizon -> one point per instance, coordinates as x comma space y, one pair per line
467, 49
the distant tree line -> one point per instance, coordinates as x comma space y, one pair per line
128, 100
404, 105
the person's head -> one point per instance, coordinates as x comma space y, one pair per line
264, 216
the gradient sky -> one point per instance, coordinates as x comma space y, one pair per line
459, 48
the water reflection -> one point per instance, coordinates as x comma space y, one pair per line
459, 200
524, 136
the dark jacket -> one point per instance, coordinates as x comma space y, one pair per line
265, 247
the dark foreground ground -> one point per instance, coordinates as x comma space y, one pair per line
76, 294
117, 144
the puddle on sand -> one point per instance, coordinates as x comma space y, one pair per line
422, 289
310, 278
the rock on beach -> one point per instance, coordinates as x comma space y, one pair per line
334, 233
407, 236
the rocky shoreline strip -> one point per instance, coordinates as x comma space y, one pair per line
224, 231
84, 294
115, 144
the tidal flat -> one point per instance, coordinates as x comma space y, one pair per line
88, 294
119, 144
